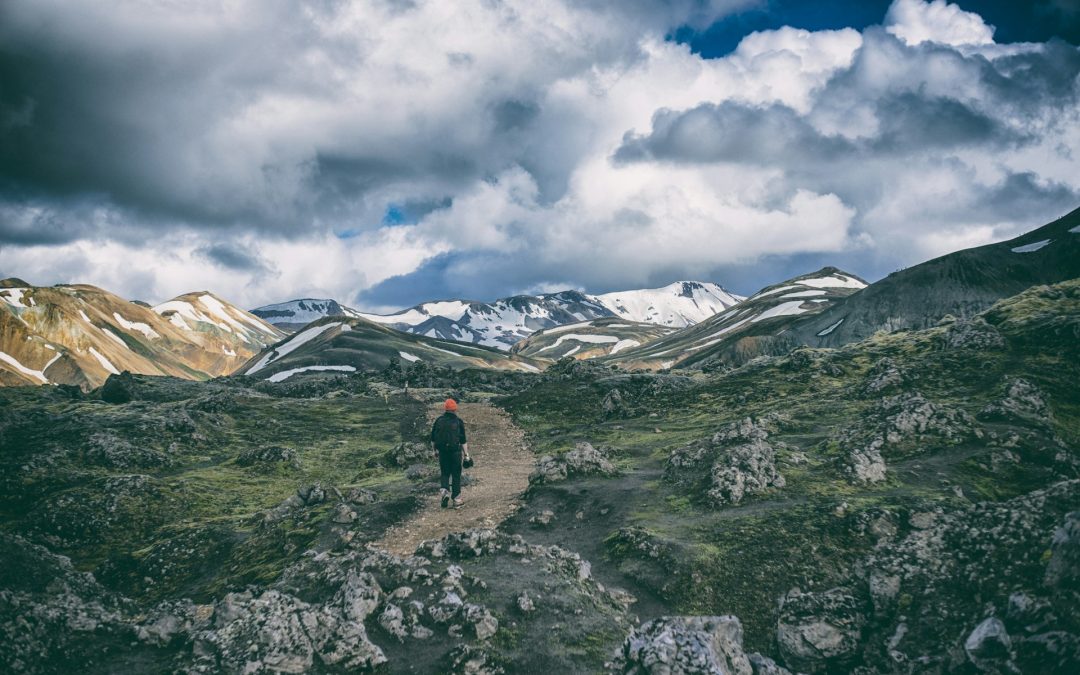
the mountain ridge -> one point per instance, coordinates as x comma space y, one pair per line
505, 321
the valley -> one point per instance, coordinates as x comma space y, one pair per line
901, 502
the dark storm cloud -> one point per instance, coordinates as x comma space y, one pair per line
233, 258
731, 132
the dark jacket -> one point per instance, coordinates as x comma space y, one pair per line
444, 429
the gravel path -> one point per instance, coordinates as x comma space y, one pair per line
501, 474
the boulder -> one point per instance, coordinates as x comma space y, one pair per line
685, 645
1022, 401
585, 459
1063, 570
119, 388
866, 465
408, 453
819, 632
989, 648
548, 470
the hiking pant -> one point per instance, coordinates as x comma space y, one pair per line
450, 467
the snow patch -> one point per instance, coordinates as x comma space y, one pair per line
1075, 230
227, 351
104, 362
580, 337
830, 328
783, 309
624, 344
143, 328
290, 345
835, 281
116, 338
286, 374
409, 357
527, 366
1031, 248
573, 351
14, 363
14, 297
85, 318
802, 294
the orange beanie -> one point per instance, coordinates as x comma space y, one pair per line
451, 404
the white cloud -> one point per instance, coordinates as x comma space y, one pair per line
915, 22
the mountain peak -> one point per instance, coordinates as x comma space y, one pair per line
13, 282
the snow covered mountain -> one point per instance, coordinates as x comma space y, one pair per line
506, 321
678, 305
295, 314
80, 334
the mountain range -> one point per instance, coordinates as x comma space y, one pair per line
79, 334
504, 322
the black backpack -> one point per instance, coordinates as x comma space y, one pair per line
448, 433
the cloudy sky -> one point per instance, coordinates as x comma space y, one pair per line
384, 152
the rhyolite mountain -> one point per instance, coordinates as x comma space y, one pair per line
589, 339
80, 334
506, 321
766, 314
354, 345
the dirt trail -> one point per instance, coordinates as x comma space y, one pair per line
501, 474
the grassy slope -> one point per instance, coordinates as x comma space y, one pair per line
688, 557
197, 523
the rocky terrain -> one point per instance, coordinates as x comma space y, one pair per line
903, 504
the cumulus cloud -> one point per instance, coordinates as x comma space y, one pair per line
915, 22
380, 151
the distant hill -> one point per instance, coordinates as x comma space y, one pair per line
80, 334
589, 339
343, 344
767, 313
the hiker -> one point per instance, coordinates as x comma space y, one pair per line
448, 441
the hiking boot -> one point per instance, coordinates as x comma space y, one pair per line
458, 502
445, 498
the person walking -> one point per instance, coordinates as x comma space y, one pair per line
448, 441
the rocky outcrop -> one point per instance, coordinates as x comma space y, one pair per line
52, 617
952, 585
269, 457
975, 334
819, 632
1022, 402
407, 453
691, 645
898, 426
583, 460
106, 448
736, 461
